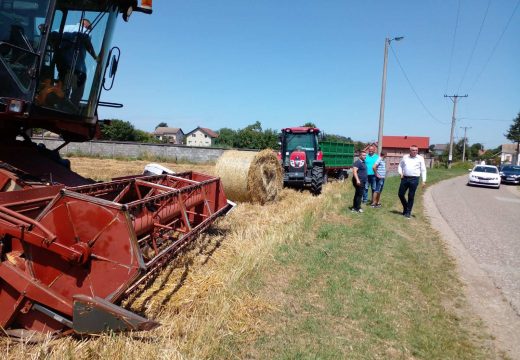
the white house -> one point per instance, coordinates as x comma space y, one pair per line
171, 135
201, 137
509, 155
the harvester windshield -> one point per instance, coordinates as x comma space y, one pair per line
74, 56
19, 40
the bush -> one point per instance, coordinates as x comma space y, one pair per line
462, 165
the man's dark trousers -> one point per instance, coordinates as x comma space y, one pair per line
358, 195
409, 183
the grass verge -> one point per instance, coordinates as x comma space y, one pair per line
357, 286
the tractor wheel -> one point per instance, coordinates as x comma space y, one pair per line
316, 180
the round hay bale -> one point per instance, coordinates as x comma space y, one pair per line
250, 176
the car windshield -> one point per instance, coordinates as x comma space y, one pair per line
512, 168
486, 169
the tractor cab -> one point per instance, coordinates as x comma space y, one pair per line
54, 57
303, 139
301, 158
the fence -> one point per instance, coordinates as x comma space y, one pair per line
114, 149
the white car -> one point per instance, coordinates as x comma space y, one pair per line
484, 175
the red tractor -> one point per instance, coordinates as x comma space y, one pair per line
302, 159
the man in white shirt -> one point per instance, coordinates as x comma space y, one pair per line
411, 168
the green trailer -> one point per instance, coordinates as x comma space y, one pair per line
338, 157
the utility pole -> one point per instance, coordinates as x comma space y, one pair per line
464, 144
383, 92
453, 98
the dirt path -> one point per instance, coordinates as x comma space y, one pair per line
487, 300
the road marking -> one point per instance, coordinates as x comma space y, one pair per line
507, 199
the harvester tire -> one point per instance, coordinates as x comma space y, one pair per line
316, 180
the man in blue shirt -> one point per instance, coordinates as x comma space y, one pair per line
72, 70
371, 177
380, 173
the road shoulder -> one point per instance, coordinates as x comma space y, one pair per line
481, 293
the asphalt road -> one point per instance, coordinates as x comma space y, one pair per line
487, 222
482, 229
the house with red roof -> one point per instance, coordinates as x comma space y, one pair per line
400, 145
201, 137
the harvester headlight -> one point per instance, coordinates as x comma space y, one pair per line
15, 106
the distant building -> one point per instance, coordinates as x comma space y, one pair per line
400, 145
168, 134
439, 149
508, 154
201, 137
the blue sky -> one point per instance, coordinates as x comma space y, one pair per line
230, 63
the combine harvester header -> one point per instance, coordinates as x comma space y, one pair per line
68, 254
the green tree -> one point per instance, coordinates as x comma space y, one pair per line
513, 134
161, 124
226, 137
269, 139
250, 136
474, 151
144, 137
338, 138
118, 130
309, 124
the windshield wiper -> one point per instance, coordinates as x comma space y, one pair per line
26, 40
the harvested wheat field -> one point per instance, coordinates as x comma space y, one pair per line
106, 169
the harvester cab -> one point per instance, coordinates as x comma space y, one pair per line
301, 158
54, 56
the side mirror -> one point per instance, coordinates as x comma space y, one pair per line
113, 66
113, 62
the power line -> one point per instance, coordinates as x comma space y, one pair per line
496, 45
474, 46
453, 46
413, 89
483, 119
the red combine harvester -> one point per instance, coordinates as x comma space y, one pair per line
70, 248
